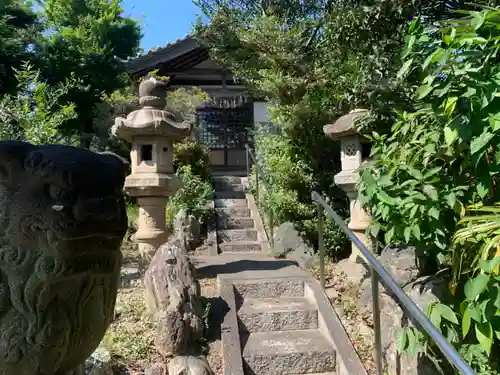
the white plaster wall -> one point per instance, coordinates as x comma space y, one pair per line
260, 113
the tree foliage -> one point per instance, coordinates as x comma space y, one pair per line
312, 61
37, 111
87, 39
438, 163
18, 29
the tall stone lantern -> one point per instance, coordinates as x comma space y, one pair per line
344, 130
151, 131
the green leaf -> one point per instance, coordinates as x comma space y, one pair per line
407, 234
431, 192
466, 321
401, 340
404, 69
474, 287
449, 106
488, 265
416, 231
494, 122
484, 334
423, 91
412, 342
410, 41
451, 199
482, 189
434, 212
435, 317
477, 20
481, 142
447, 313
415, 173
385, 198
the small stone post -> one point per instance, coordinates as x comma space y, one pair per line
151, 130
344, 129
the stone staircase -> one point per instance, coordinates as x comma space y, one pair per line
279, 320
279, 329
235, 222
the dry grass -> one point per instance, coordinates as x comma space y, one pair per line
130, 338
214, 315
344, 297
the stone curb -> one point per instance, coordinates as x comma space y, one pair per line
230, 336
259, 226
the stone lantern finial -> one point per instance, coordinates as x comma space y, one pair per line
345, 130
152, 93
151, 130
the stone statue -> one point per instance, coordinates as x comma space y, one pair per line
173, 298
62, 220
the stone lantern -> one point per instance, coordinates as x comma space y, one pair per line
151, 130
344, 130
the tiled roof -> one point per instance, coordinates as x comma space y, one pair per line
155, 50
154, 55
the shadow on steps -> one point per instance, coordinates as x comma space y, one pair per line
211, 270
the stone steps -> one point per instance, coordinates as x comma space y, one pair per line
225, 186
233, 212
226, 180
287, 352
240, 247
269, 288
227, 194
237, 235
236, 232
277, 314
235, 222
230, 203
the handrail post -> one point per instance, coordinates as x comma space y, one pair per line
380, 274
271, 229
321, 244
257, 184
247, 160
376, 323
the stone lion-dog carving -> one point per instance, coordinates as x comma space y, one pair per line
62, 220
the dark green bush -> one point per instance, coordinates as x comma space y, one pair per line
192, 197
194, 154
290, 182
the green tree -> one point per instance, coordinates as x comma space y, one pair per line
312, 62
88, 39
18, 29
36, 112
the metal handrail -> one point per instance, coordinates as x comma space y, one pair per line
258, 172
379, 273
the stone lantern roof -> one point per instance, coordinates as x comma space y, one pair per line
345, 125
151, 119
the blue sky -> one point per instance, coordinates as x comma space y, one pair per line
162, 21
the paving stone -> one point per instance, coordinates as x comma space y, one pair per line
277, 314
288, 352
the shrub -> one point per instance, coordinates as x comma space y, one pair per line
439, 160
194, 154
290, 182
192, 197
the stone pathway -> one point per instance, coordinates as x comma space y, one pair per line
277, 319
236, 231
